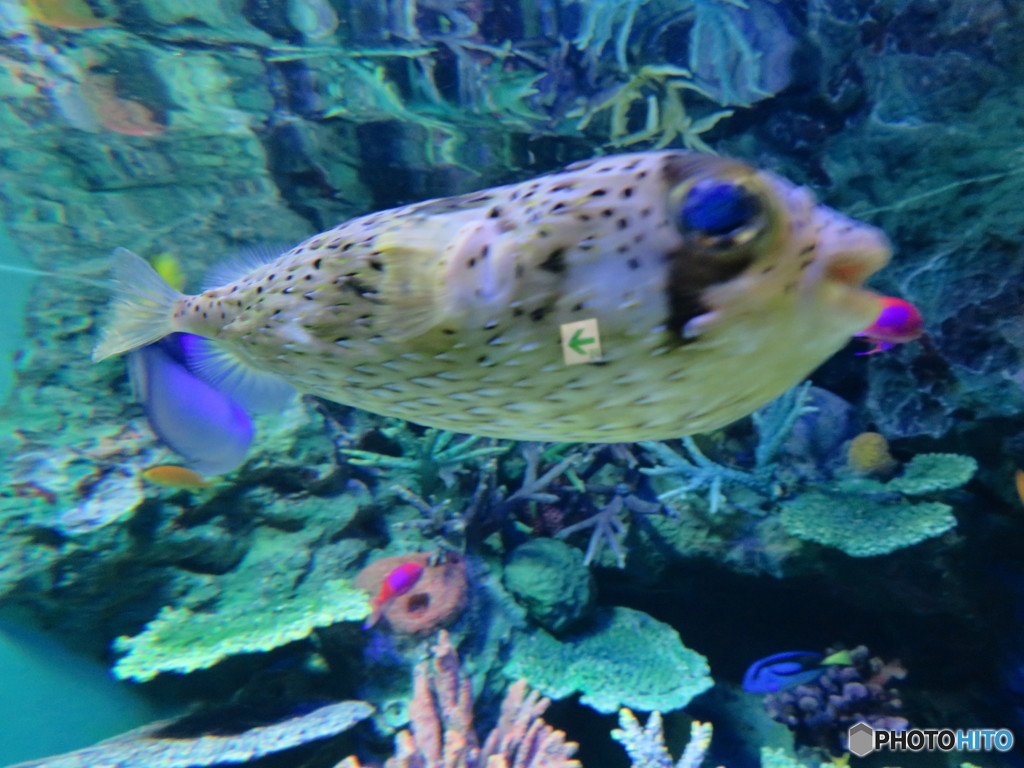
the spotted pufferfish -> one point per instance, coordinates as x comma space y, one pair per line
715, 287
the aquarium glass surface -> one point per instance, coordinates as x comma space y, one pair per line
512, 383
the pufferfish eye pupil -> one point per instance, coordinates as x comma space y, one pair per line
717, 209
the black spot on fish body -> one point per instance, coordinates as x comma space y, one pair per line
538, 314
623, 223
633, 263
555, 262
627, 192
317, 263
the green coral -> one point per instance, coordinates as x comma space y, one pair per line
183, 640
864, 517
862, 526
929, 472
278, 594
550, 580
626, 659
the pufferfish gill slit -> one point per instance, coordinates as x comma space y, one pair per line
715, 287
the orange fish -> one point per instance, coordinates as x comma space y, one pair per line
1019, 477
175, 477
395, 584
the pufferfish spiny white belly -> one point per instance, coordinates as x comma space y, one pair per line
715, 288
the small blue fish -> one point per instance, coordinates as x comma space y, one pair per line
203, 425
789, 669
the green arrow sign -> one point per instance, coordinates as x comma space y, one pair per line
577, 342
581, 342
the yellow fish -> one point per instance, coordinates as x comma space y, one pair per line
168, 266
710, 287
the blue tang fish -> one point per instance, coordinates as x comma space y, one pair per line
782, 671
206, 427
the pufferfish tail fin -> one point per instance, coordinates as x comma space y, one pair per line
142, 310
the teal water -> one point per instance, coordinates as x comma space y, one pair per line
54, 700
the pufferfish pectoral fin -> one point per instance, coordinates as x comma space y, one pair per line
414, 294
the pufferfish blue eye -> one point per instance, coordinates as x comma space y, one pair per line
715, 208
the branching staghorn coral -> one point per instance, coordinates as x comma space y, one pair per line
426, 460
442, 735
772, 423
646, 746
607, 528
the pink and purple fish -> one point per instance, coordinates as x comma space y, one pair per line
395, 584
898, 322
